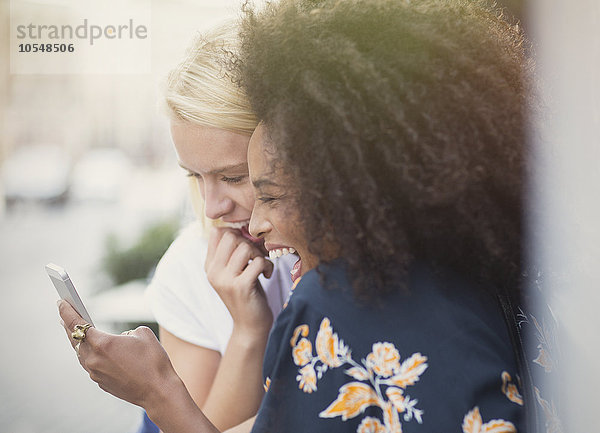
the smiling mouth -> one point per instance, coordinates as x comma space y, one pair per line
275, 253
296, 271
242, 226
236, 225
278, 252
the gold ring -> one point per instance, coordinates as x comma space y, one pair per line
79, 332
77, 348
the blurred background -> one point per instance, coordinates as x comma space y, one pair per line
89, 180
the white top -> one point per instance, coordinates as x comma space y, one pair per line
185, 304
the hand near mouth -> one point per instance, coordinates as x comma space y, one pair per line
233, 265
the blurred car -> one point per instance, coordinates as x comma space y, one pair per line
99, 175
37, 173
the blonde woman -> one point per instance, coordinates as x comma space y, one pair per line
216, 347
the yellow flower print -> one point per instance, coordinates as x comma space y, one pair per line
307, 379
390, 418
404, 404
510, 389
358, 373
384, 360
371, 425
330, 351
410, 371
473, 423
287, 301
302, 356
267, 384
328, 345
302, 352
301, 330
353, 399
380, 381
396, 396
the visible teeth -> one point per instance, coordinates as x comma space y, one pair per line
278, 252
235, 225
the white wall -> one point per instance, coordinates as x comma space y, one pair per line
567, 37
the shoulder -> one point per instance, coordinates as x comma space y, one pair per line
436, 356
179, 285
441, 315
184, 259
190, 241
437, 309
445, 300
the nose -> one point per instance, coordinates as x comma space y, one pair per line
259, 226
216, 203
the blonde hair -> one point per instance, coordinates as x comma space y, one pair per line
200, 91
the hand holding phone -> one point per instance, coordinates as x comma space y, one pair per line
66, 290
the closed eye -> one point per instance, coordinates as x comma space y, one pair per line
233, 179
270, 200
226, 179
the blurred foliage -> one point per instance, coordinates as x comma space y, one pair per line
124, 264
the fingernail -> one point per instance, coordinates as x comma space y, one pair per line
62, 323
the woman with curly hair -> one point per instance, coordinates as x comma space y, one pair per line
392, 157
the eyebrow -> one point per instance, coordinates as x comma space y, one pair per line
232, 167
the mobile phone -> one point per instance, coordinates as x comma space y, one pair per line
66, 290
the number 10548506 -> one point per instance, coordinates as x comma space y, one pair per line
46, 48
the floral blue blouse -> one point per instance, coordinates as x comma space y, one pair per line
437, 358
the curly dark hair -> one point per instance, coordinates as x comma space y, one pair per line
403, 126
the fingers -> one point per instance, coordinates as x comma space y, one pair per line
267, 267
254, 268
144, 333
213, 241
114, 361
70, 318
232, 268
228, 249
242, 254
228, 244
222, 243
100, 350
